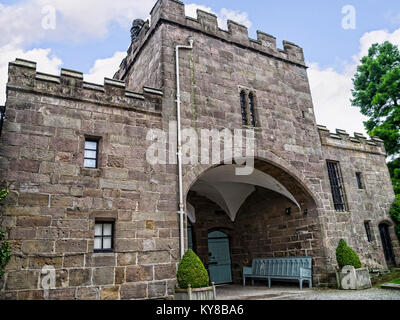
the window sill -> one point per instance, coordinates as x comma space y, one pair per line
251, 127
342, 212
104, 252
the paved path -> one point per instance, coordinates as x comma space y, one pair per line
291, 292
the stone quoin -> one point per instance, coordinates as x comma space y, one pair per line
84, 199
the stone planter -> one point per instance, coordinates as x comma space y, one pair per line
350, 278
206, 293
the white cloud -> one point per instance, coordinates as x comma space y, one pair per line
223, 16
76, 20
378, 36
331, 93
240, 17
105, 68
331, 90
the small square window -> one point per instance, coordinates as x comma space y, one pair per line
91, 154
103, 236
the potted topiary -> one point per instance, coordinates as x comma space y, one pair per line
193, 280
350, 275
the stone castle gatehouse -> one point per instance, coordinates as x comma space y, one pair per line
85, 201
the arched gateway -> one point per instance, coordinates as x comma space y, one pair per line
266, 214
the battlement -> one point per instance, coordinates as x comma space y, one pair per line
22, 76
173, 11
341, 139
207, 22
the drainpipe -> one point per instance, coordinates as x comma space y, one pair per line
179, 145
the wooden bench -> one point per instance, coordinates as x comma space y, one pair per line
291, 268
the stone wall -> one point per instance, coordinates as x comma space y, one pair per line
371, 203
212, 75
53, 202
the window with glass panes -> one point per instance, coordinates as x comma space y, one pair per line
91, 153
103, 236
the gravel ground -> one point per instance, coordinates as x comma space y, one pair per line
329, 294
291, 292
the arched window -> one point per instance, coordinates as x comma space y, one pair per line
251, 109
243, 107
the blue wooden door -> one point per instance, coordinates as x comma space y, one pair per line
219, 258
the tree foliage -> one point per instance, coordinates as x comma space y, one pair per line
5, 247
377, 93
395, 213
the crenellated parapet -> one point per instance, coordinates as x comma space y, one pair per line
173, 11
70, 85
341, 139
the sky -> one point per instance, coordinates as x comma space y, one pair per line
92, 36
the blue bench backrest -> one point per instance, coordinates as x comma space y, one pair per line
289, 267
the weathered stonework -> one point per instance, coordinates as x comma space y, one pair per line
54, 201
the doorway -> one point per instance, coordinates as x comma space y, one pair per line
219, 265
387, 244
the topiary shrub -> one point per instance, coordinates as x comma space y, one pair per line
192, 271
346, 256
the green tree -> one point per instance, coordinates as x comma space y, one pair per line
377, 94
394, 169
395, 213
5, 247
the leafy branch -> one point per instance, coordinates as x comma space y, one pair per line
5, 247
